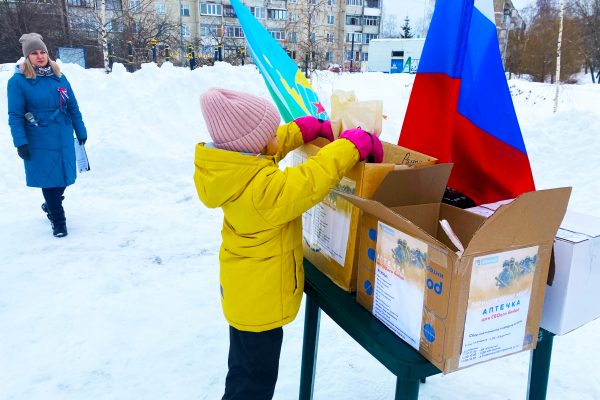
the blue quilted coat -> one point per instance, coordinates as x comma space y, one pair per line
51, 101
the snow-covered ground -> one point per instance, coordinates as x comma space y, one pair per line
127, 305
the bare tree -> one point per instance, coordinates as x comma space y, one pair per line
389, 25
141, 23
307, 38
587, 13
534, 51
19, 17
135, 21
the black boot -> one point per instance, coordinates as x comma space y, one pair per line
59, 222
54, 210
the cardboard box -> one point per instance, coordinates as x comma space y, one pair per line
572, 298
330, 228
459, 310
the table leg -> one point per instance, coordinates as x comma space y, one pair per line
539, 369
407, 390
312, 317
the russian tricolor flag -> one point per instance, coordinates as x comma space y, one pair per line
460, 108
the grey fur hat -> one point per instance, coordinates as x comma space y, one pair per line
32, 42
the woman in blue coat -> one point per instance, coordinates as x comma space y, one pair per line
42, 114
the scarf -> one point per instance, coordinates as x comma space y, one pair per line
44, 71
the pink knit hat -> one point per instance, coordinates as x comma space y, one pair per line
238, 121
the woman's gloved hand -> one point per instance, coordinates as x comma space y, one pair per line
368, 145
312, 128
23, 152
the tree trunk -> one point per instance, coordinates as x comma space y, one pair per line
558, 53
104, 36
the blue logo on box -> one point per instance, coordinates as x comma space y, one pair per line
371, 254
429, 333
373, 234
368, 287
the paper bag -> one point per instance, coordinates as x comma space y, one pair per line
348, 113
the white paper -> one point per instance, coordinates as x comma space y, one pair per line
400, 272
498, 305
81, 157
326, 226
452, 236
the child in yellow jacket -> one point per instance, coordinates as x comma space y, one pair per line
261, 273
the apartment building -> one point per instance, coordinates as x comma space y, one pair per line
315, 33
507, 20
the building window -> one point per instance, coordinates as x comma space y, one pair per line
371, 21
234, 31
331, 2
292, 54
373, 3
357, 37
78, 3
114, 26
259, 12
113, 5
312, 37
276, 14
330, 37
184, 9
329, 56
293, 17
330, 19
134, 5
313, 18
160, 8
367, 37
277, 34
211, 9
292, 37
185, 30
354, 2
228, 11
84, 23
353, 19
292, 1
364, 56
136, 27
208, 30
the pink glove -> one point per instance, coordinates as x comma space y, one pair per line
312, 128
369, 146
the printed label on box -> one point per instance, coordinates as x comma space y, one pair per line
326, 226
400, 272
499, 297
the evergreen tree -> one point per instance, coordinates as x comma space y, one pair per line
406, 29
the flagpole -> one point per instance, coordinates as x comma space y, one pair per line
558, 50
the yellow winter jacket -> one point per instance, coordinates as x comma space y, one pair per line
262, 277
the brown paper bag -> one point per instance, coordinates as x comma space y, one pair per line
347, 113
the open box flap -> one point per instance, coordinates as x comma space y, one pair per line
414, 186
391, 218
533, 217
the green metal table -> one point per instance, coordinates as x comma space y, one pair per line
409, 367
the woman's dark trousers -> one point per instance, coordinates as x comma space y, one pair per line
253, 364
54, 209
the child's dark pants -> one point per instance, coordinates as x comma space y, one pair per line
253, 364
